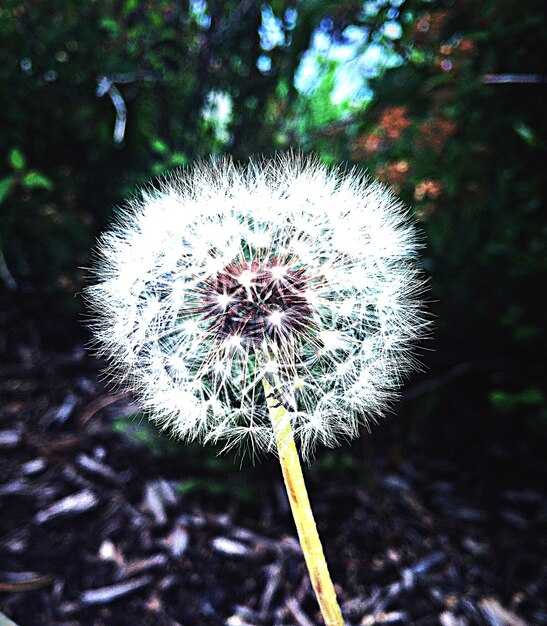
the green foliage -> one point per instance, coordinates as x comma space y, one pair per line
6, 185
218, 487
24, 181
138, 429
467, 153
66, 66
21, 177
16, 159
35, 180
218, 475
505, 401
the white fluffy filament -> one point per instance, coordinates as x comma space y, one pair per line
224, 274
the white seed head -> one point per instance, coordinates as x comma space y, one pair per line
226, 275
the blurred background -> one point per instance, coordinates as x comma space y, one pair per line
443, 101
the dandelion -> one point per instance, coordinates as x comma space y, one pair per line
274, 305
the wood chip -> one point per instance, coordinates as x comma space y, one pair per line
10, 438
230, 547
158, 494
466, 514
422, 566
109, 552
176, 541
24, 581
247, 615
514, 518
32, 467
97, 468
235, 620
256, 540
141, 565
497, 615
75, 504
17, 487
60, 414
357, 606
394, 617
273, 577
105, 595
395, 482
301, 618
449, 619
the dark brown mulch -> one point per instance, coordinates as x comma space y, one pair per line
99, 529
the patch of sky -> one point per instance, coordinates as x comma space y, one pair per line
356, 61
290, 18
198, 10
372, 7
270, 30
217, 111
392, 30
357, 56
264, 63
274, 32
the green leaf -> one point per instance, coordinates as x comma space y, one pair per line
159, 146
216, 487
5, 187
418, 57
34, 180
526, 133
179, 159
130, 6
158, 169
507, 401
155, 19
186, 486
16, 159
110, 24
135, 427
532, 396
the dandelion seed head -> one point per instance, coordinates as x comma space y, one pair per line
223, 276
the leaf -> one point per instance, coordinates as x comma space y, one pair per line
16, 159
5, 187
507, 401
110, 24
179, 159
155, 19
34, 180
186, 486
158, 169
159, 146
526, 133
129, 7
139, 430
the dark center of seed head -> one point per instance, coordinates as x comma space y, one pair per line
257, 301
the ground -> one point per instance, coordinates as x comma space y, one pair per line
102, 523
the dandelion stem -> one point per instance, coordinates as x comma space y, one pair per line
300, 505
